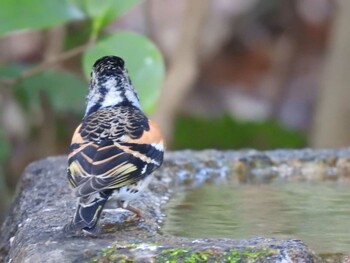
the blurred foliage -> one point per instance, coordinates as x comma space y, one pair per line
103, 12
4, 146
60, 88
39, 14
228, 133
143, 59
35, 14
5, 149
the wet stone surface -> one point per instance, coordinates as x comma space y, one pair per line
32, 232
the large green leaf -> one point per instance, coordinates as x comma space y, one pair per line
142, 58
35, 14
65, 92
103, 12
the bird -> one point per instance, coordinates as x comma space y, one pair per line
114, 150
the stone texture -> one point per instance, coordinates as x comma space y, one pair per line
32, 232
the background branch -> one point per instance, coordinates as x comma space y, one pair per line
183, 69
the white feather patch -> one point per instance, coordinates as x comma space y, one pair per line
130, 96
159, 146
112, 97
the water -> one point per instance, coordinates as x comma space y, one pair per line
318, 214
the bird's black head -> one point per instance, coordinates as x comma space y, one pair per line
110, 85
109, 66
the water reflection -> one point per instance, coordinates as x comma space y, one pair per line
319, 214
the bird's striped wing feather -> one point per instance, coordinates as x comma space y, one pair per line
112, 167
79, 162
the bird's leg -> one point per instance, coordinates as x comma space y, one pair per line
138, 213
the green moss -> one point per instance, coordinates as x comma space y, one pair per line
246, 255
110, 254
183, 255
175, 255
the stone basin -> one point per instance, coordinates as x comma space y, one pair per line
32, 231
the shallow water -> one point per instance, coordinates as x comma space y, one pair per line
318, 214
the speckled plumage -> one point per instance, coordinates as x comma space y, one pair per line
115, 148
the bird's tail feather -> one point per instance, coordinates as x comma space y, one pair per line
87, 214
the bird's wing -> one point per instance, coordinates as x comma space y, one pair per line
81, 154
131, 149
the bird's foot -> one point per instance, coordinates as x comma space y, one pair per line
92, 232
138, 214
132, 218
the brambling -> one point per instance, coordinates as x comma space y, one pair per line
115, 148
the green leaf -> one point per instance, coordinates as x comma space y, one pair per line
65, 92
104, 11
35, 14
11, 71
143, 61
